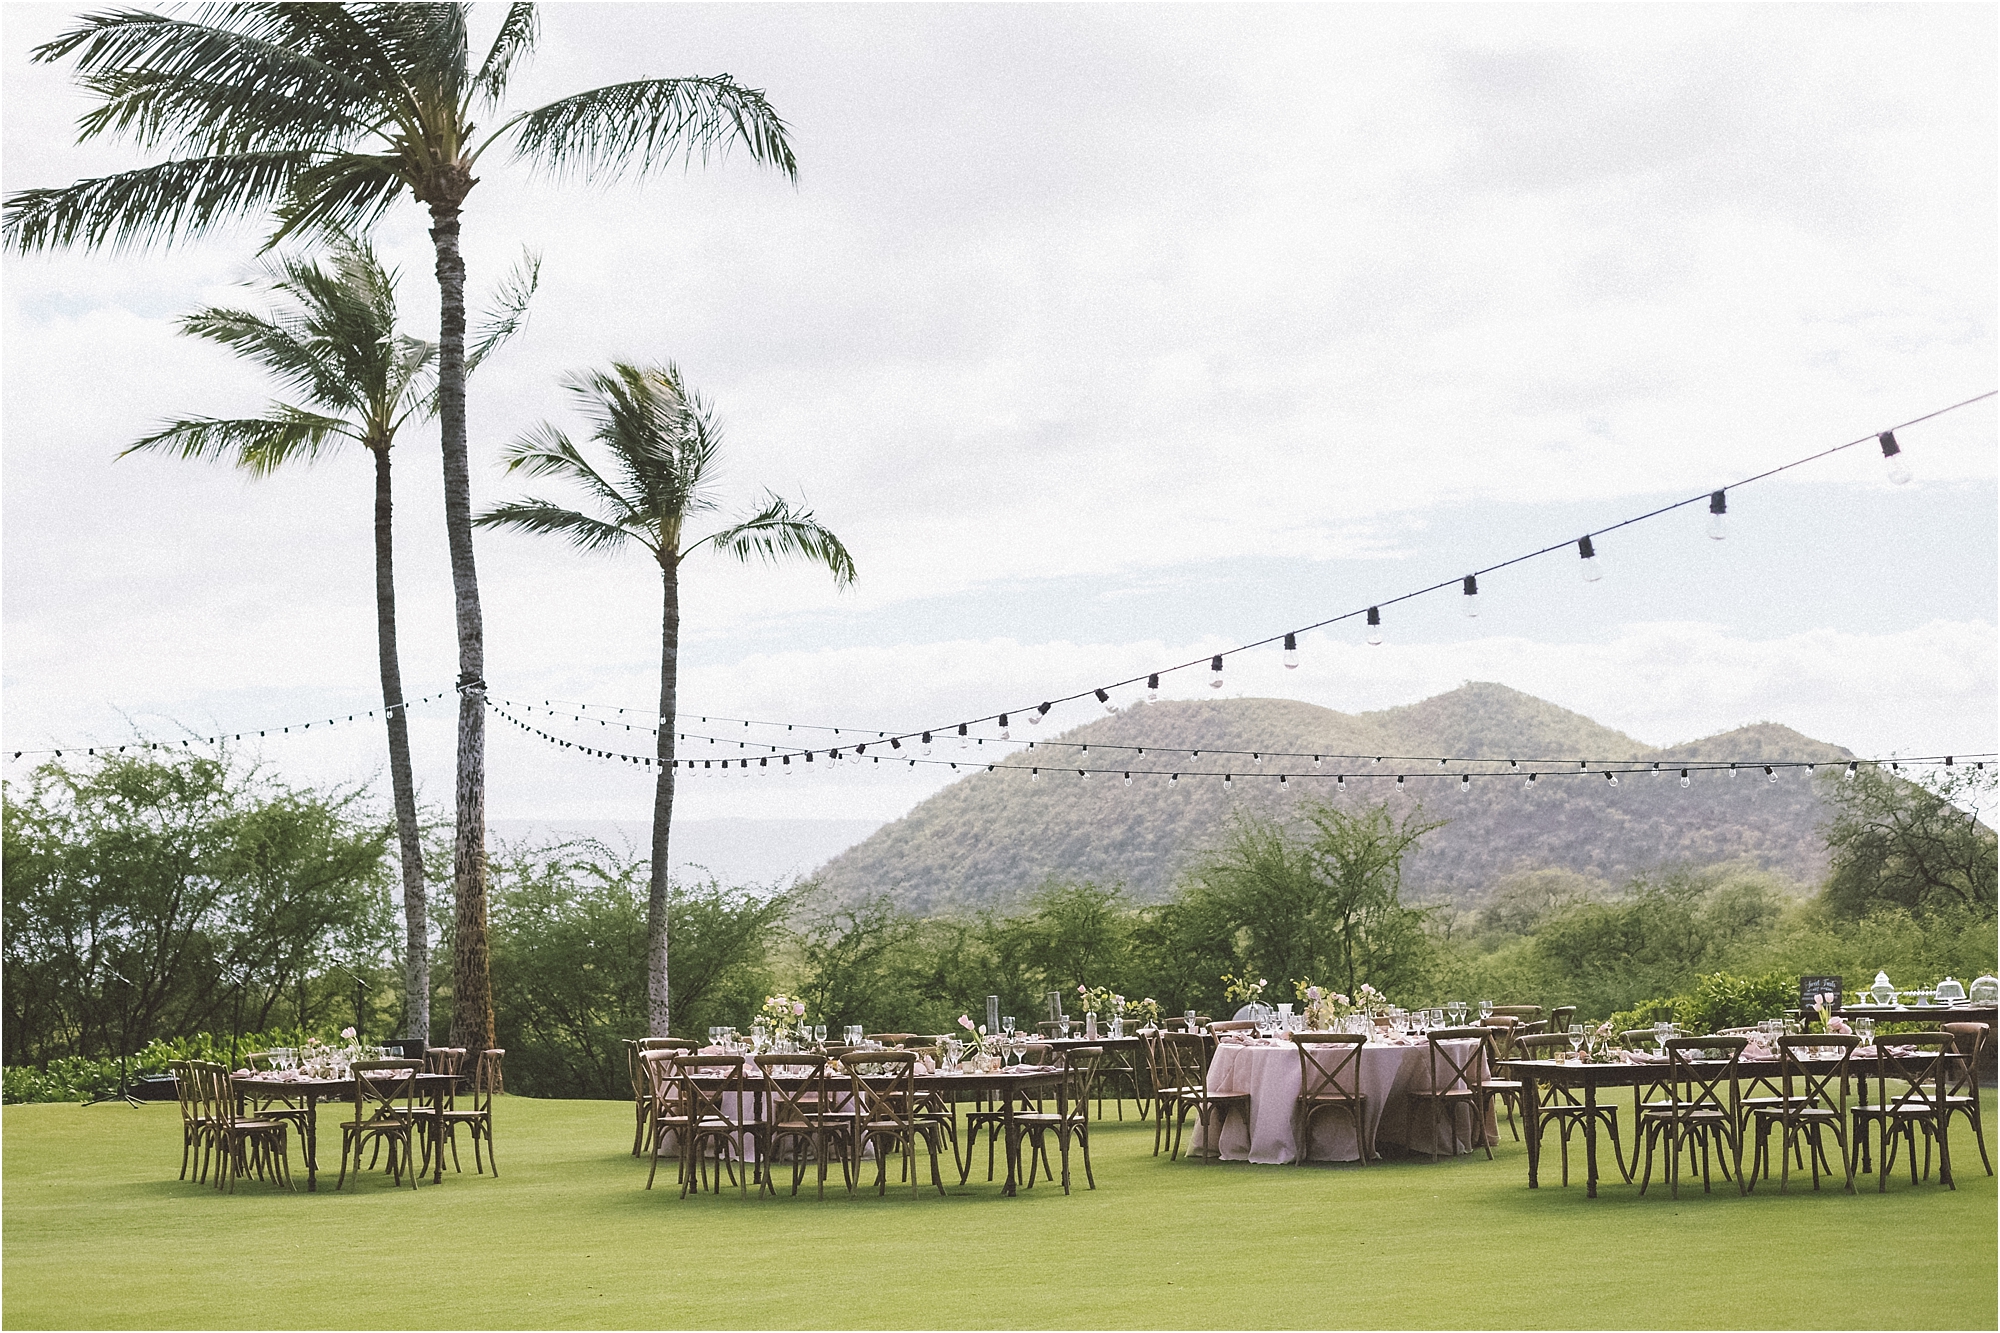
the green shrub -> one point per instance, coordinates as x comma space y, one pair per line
1718, 1001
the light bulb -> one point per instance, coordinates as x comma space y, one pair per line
1592, 571
1128, 779
1770, 773
1613, 778
1686, 781
788, 765
963, 739
1851, 770
1215, 672
1529, 785
1472, 596
1034, 775
1893, 458
1732, 772
1175, 778
1375, 626
1153, 686
1718, 516
927, 743
1105, 699
1291, 652
1003, 726
1340, 783
1464, 783
763, 768
1041, 711
1084, 774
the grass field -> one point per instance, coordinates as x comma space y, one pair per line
98, 1233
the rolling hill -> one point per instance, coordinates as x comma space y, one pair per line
991, 837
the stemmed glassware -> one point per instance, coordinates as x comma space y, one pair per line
819, 1034
1062, 1025
1486, 1008
1864, 1028
1575, 1038
1662, 1031
1457, 1011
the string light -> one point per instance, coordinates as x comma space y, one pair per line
1686, 781
1472, 596
1004, 733
1153, 686
1291, 652
1718, 516
1592, 571
963, 740
1215, 672
1375, 626
1039, 713
1770, 773
1105, 699
1897, 465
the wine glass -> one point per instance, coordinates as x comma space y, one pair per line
1007, 1027
1457, 1011
1575, 1038
1062, 1025
1662, 1031
819, 1033
1486, 1008
1864, 1028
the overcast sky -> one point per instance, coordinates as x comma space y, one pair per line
1107, 336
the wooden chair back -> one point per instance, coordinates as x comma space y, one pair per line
1455, 1065
1329, 1065
1695, 1083
1233, 1025
1809, 1086
1969, 1040
1186, 1055
1916, 1063
884, 1086
1527, 1013
391, 1094
1561, 1017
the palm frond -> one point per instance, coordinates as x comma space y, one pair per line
778, 531
547, 452
516, 38
289, 353
258, 445
213, 87
583, 531
339, 195
508, 310
636, 127
175, 200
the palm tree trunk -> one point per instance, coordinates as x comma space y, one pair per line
471, 973
658, 1009
416, 916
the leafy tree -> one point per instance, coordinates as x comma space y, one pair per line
333, 340
1909, 844
662, 442
569, 933
848, 960
153, 895
327, 114
1072, 934
1324, 902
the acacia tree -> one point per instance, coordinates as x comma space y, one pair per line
1909, 844
333, 340
662, 442
328, 114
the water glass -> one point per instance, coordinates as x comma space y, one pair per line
1007, 1026
1486, 1008
1575, 1037
1062, 1026
819, 1033
1190, 1020
1457, 1011
1864, 1028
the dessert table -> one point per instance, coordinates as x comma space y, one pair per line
1268, 1070
312, 1091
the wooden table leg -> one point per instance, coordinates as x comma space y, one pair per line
1590, 1139
1013, 1151
1531, 1116
437, 1135
309, 1142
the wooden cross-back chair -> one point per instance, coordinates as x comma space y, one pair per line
385, 1114
889, 1116
803, 1111
1700, 1110
1329, 1084
1811, 1102
1910, 1082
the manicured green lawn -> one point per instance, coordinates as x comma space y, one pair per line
98, 1233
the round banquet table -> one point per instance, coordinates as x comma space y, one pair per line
1269, 1072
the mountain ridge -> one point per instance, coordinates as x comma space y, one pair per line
992, 837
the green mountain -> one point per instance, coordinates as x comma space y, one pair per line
991, 837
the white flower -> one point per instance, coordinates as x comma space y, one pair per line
347, 1033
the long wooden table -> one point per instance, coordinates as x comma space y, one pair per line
315, 1090
1533, 1074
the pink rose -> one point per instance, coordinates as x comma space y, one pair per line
798, 1009
1312, 994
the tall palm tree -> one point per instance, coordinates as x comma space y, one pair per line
662, 441
334, 342
328, 114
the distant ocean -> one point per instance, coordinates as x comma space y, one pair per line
735, 851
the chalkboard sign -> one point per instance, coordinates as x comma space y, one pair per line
1811, 988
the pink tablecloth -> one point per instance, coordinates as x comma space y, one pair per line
1270, 1074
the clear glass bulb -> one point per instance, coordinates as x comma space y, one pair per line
1471, 601
1215, 680
1772, 774
963, 740
1291, 659
1034, 719
1613, 778
1718, 526
1005, 734
1375, 635
1110, 707
1153, 694
1897, 468
1592, 569
1686, 781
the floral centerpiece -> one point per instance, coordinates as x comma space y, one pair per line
783, 1015
1323, 1006
1371, 1001
981, 1048
1242, 990
1146, 1012
1100, 1000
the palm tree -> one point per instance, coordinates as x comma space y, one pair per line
335, 343
327, 114
662, 440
